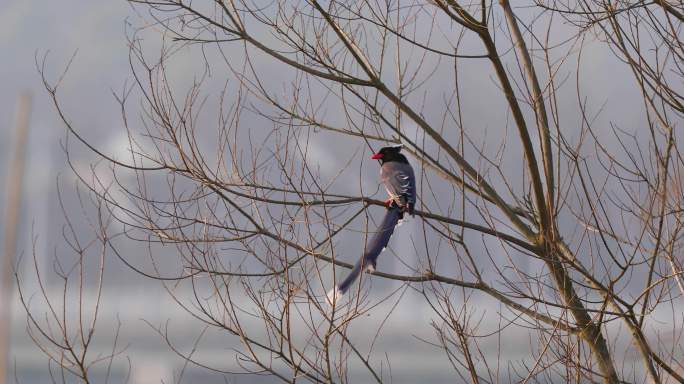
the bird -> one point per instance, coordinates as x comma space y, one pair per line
397, 175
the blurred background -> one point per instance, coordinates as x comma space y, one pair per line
93, 31
94, 34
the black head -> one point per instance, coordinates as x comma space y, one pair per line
390, 154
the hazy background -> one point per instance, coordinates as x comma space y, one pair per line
96, 32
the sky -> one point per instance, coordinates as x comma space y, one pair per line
94, 33
32, 29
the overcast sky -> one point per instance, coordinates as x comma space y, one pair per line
33, 28
96, 30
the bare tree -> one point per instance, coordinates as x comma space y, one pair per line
570, 224
66, 333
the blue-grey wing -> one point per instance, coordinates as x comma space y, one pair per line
399, 181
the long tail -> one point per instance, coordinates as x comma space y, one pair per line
369, 259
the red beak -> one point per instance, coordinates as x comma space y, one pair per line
377, 156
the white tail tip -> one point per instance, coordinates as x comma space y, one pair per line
334, 295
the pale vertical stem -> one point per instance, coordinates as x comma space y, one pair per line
14, 191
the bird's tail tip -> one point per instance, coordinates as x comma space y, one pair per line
334, 295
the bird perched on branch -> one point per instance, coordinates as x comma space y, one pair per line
397, 175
